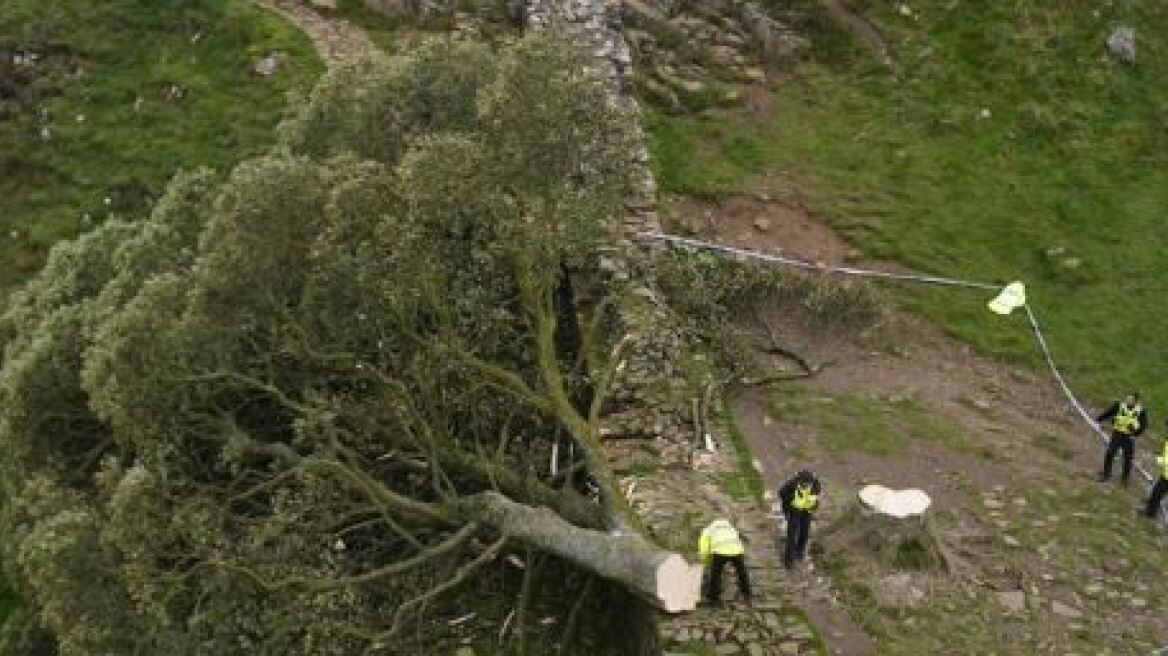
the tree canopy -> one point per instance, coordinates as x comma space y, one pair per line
302, 408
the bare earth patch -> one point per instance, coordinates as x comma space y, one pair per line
761, 223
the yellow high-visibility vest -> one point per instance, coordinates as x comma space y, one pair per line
1127, 420
1164, 461
805, 499
720, 538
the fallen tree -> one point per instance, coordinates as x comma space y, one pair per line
665, 578
309, 408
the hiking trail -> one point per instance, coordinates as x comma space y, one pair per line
335, 39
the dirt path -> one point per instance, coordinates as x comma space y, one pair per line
335, 38
862, 27
811, 593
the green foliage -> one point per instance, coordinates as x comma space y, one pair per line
914, 554
1011, 147
715, 297
382, 29
128, 90
832, 43
366, 110
396, 32
201, 414
710, 287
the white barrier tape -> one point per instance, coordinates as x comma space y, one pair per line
1066, 389
906, 277
816, 266
1058, 376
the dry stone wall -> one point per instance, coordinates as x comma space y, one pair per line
598, 26
677, 490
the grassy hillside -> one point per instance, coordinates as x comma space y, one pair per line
122, 93
1010, 146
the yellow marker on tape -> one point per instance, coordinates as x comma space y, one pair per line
1012, 297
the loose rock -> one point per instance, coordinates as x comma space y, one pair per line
1063, 610
1122, 44
1013, 600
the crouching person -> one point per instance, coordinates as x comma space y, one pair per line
718, 545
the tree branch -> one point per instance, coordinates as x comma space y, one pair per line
449, 584
612, 367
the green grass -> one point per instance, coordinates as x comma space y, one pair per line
1054, 445
745, 483
102, 88
881, 426
382, 29
1061, 182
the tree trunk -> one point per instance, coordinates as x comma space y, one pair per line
662, 577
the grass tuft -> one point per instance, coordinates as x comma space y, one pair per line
745, 483
880, 426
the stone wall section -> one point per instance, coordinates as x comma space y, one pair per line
679, 492
598, 27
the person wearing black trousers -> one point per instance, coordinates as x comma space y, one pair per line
799, 498
1128, 419
721, 545
1161, 486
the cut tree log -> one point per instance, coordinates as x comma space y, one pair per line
664, 578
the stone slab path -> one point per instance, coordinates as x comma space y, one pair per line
675, 502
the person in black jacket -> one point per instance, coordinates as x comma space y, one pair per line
1160, 488
1128, 419
799, 498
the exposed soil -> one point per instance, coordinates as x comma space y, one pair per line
761, 223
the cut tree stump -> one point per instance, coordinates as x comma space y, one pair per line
890, 527
895, 503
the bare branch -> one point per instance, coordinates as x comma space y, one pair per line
449, 584
574, 614
252, 383
428, 554
612, 367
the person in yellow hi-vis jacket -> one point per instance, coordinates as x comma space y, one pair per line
1128, 419
800, 499
718, 545
1161, 486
